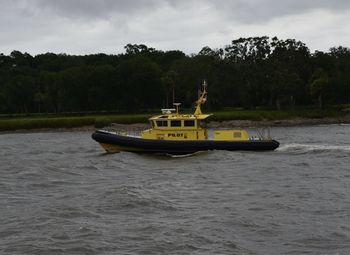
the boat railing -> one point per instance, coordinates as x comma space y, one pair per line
124, 130
264, 133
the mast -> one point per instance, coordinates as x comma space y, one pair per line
201, 100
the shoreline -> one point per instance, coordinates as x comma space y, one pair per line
211, 124
279, 123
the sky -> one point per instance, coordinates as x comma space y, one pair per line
106, 26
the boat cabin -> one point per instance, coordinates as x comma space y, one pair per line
174, 126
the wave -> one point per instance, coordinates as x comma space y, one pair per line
306, 148
134, 197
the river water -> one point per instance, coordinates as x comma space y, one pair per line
60, 194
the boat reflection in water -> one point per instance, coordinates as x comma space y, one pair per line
176, 133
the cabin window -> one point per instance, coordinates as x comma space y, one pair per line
175, 123
162, 123
237, 134
152, 124
189, 123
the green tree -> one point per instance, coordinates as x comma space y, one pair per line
319, 85
19, 93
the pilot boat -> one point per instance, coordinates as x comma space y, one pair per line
176, 133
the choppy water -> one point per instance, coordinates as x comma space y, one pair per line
60, 194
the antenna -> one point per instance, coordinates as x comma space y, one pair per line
173, 93
204, 84
200, 90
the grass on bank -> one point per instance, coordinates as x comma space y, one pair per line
272, 115
50, 121
9, 124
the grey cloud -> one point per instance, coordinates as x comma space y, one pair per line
256, 11
94, 9
246, 11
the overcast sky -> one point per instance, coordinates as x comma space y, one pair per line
106, 26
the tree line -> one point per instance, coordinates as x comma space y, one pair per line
249, 72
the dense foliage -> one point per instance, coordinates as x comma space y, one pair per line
250, 72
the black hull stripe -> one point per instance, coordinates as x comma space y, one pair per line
171, 146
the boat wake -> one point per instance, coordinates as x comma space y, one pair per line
316, 148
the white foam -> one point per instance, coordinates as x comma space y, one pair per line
298, 147
184, 155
